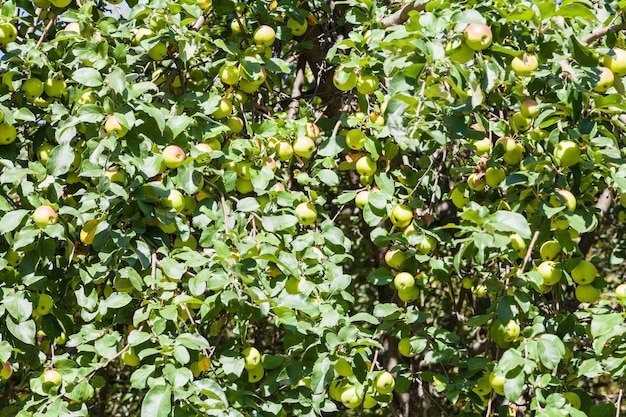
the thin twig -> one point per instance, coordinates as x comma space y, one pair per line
45, 32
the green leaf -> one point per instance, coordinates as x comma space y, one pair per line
248, 204
508, 221
118, 300
88, 77
11, 220
117, 80
322, 374
60, 160
178, 124
157, 402
550, 350
381, 276
606, 323
24, 331
328, 177
276, 223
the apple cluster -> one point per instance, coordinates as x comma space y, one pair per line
348, 391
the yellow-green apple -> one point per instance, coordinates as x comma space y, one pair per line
116, 174
336, 389
175, 200
244, 186
264, 35
367, 83
88, 231
355, 139
549, 250
395, 258
43, 152
525, 65
345, 79
513, 151
304, 146
615, 60
142, 33
482, 146
306, 213
404, 281
44, 305
158, 52
55, 86
511, 331
620, 291
405, 348
519, 123
86, 97
252, 357
112, 125
385, 383
483, 387
530, 109
586, 293
8, 33
365, 165
6, 371
361, 199
549, 272
297, 28
494, 176
496, 381
255, 374
44, 216
205, 156
567, 153
584, 272
427, 245
52, 376
244, 169
312, 130
229, 74
235, 124
409, 294
224, 109
458, 51
33, 88
401, 215
284, 150
173, 156
563, 197
351, 398
605, 80
478, 36
293, 285
476, 182
518, 244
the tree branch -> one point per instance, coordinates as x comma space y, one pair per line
597, 34
402, 15
604, 204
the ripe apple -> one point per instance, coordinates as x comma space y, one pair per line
525, 65
130, 358
584, 272
385, 383
351, 398
235, 124
401, 215
297, 28
44, 216
345, 79
620, 291
405, 348
458, 51
33, 88
615, 60
52, 376
343, 368
174, 200
252, 357
395, 258
549, 272
530, 109
229, 74
55, 86
112, 125
362, 198
567, 153
264, 35
306, 213
6, 371
549, 250
586, 293
459, 196
563, 197
158, 52
478, 36
404, 281
225, 108
355, 139
519, 123
304, 146
605, 81
366, 166
8, 133
482, 146
409, 294
173, 156
494, 176
367, 83
427, 245
284, 151
496, 382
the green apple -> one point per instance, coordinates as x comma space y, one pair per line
244, 186
44, 216
549, 272
401, 215
255, 374
284, 150
158, 52
367, 83
244, 169
620, 291
336, 389
615, 60
112, 125
496, 381
567, 153
174, 200
355, 139
530, 109
494, 176
43, 152
385, 383
584, 272
225, 109
235, 124
459, 196
306, 213
361, 199
8, 33
478, 36
264, 35
409, 294
519, 123
33, 88
405, 348
6, 371
343, 367
293, 285
483, 387
605, 80
395, 258
351, 398
427, 245
297, 28
586, 293
366, 166
238, 25
404, 281
345, 79
549, 250
88, 231
173, 156
44, 305
205, 156
482, 146
55, 86
518, 244
525, 65
459, 51
229, 74
369, 402
513, 151
304, 146
252, 357
52, 376
511, 331
130, 358
476, 182
563, 197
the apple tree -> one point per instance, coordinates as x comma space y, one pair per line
312, 208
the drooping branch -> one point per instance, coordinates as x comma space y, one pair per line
402, 15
